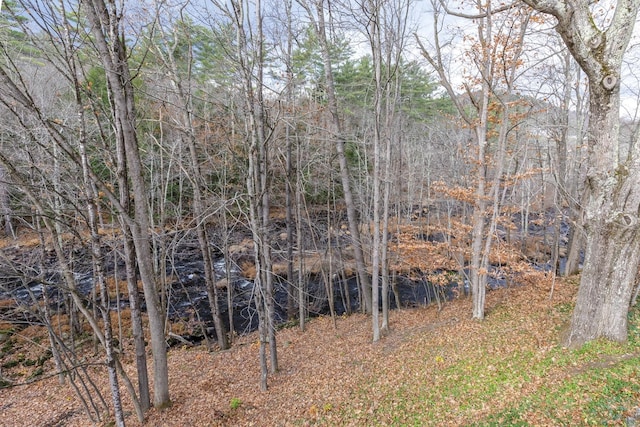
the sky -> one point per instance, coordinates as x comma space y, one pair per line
456, 29
454, 34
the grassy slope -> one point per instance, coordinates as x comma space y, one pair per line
508, 370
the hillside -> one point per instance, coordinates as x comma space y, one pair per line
434, 368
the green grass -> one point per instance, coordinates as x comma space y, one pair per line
235, 403
595, 397
496, 382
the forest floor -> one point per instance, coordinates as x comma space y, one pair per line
435, 367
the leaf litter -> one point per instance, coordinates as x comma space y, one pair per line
434, 367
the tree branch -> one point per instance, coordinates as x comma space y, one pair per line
556, 8
480, 15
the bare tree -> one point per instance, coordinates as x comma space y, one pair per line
67, 142
107, 28
250, 60
183, 100
496, 63
316, 11
385, 25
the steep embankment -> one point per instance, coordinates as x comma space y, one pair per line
433, 368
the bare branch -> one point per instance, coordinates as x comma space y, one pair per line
478, 15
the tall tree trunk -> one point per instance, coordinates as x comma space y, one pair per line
289, 138
345, 176
186, 123
98, 268
109, 40
129, 256
477, 264
263, 191
376, 51
302, 290
251, 65
493, 73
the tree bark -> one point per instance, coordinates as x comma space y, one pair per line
345, 177
612, 253
612, 192
251, 63
137, 329
109, 40
129, 255
289, 137
376, 51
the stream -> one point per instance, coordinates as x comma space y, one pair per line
187, 300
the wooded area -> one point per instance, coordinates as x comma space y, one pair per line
185, 172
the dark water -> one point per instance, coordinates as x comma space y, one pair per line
187, 298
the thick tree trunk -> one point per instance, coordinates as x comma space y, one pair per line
611, 224
613, 196
608, 278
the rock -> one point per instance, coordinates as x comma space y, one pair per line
222, 283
